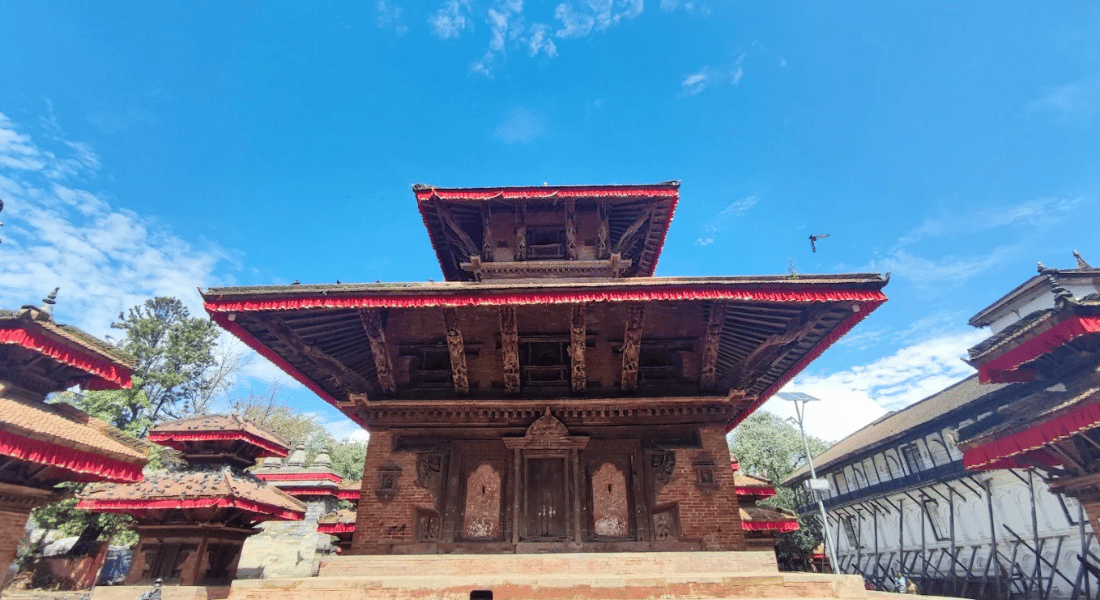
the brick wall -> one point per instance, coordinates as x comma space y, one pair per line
712, 520
380, 524
11, 531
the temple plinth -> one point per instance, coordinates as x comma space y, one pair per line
43, 445
551, 395
193, 522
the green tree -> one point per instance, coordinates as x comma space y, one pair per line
768, 446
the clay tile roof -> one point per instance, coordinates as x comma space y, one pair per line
341, 516
109, 366
351, 486
57, 430
204, 427
195, 488
895, 425
768, 518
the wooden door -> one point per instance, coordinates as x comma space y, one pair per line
547, 510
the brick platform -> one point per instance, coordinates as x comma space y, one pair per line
641, 576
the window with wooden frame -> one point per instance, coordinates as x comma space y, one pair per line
913, 459
545, 242
544, 362
429, 366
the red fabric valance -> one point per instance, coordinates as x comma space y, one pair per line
307, 491
777, 526
758, 492
1002, 369
666, 294
547, 192
299, 477
175, 439
107, 374
85, 466
866, 308
336, 528
349, 495
262, 511
1060, 427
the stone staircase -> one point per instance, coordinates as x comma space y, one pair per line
629, 575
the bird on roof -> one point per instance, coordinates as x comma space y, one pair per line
297, 282
337, 280
813, 240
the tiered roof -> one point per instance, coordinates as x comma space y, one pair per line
771, 519
214, 439
298, 480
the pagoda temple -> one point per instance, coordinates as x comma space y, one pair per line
193, 522
43, 445
341, 523
762, 524
551, 395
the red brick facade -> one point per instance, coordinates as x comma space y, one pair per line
11, 531
381, 523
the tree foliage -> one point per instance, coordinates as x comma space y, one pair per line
768, 446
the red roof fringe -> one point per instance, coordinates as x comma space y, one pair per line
263, 511
546, 192
1000, 369
109, 375
299, 476
335, 528
175, 439
349, 494
481, 298
759, 492
997, 451
845, 326
85, 466
779, 526
307, 491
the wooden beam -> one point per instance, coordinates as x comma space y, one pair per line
521, 230
603, 231
509, 349
338, 372
457, 350
632, 346
376, 333
708, 376
570, 229
578, 331
631, 232
487, 241
797, 329
468, 246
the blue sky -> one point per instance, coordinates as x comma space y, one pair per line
149, 148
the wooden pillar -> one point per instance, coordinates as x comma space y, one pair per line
457, 350
509, 349
516, 497
578, 332
577, 479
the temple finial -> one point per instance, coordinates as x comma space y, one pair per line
46, 310
1081, 264
1061, 294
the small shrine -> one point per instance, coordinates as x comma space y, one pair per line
341, 523
193, 522
43, 445
762, 524
294, 548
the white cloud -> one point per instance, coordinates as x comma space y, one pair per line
705, 241
922, 270
852, 398
1029, 213
346, 429
695, 83
1076, 102
711, 76
449, 21
520, 126
596, 15
735, 209
690, 6
389, 16
540, 41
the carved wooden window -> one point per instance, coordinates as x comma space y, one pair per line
545, 242
913, 460
165, 561
220, 558
658, 363
545, 362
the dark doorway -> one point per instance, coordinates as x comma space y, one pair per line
546, 506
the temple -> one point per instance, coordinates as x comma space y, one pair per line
192, 522
43, 445
551, 395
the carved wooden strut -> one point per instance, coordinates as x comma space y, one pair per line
632, 346
457, 350
708, 377
509, 348
577, 340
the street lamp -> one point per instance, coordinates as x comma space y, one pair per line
816, 487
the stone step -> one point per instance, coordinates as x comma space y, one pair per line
591, 563
558, 586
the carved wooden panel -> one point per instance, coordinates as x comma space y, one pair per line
457, 350
708, 377
666, 523
509, 348
376, 334
429, 472
577, 338
603, 232
428, 525
661, 465
487, 241
481, 517
632, 346
610, 502
521, 231
571, 229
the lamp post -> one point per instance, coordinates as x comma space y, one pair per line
799, 399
